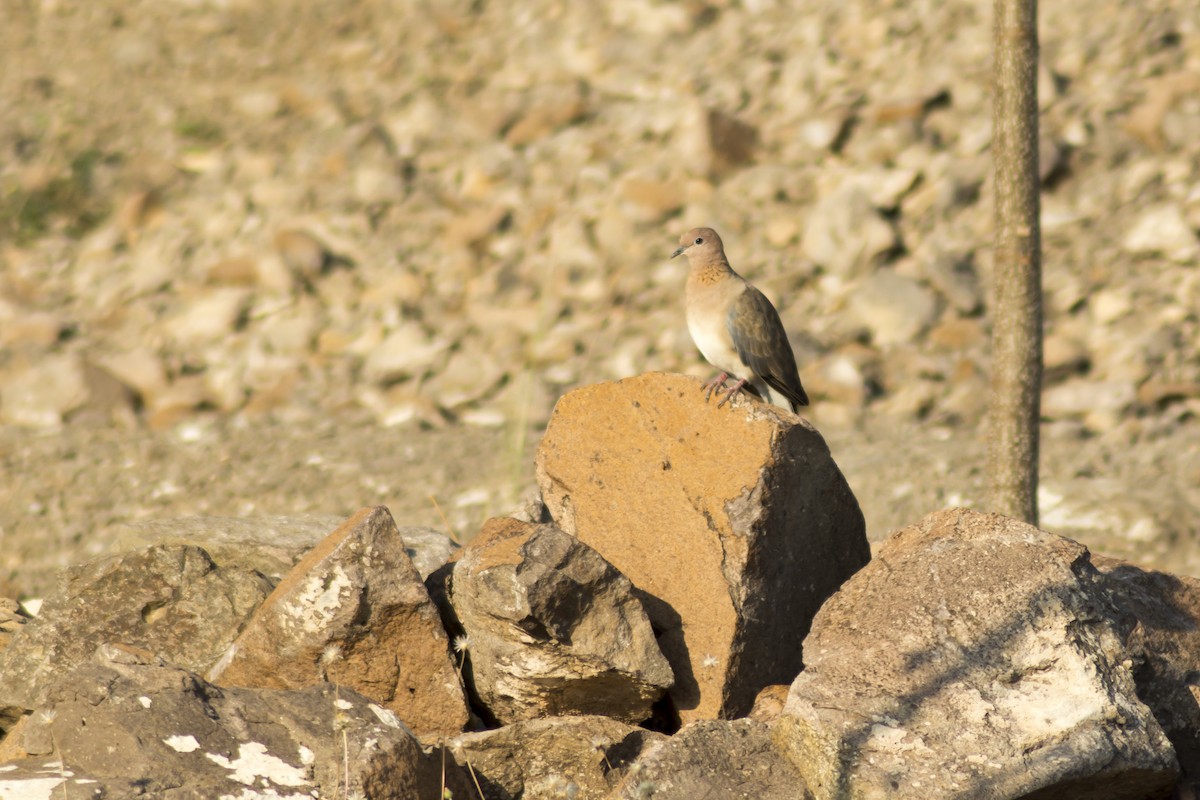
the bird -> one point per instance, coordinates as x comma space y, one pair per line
735, 326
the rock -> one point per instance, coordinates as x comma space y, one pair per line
715, 758
234, 271
732, 142
557, 106
11, 620
41, 394
1062, 355
208, 316
1081, 396
655, 198
171, 600
892, 307
141, 369
179, 737
553, 628
270, 545
23, 327
734, 523
304, 254
579, 757
769, 703
406, 352
845, 234
354, 612
1166, 645
976, 656
1163, 230
954, 277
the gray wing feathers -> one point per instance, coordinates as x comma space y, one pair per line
762, 345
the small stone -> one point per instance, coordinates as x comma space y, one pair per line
562, 106
407, 352
208, 315
40, 395
955, 278
19, 326
471, 227
1163, 230
258, 104
1109, 305
956, 334
846, 234
1081, 396
732, 141
1062, 355
892, 307
821, 132
303, 254
236, 271
656, 198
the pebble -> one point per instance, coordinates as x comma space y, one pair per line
406, 352
845, 234
1163, 230
892, 307
41, 394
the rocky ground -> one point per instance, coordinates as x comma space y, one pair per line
268, 259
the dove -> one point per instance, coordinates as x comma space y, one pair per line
735, 326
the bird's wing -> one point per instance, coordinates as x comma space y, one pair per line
762, 344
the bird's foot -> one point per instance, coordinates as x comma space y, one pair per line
731, 391
714, 383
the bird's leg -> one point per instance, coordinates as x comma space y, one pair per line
731, 391
714, 383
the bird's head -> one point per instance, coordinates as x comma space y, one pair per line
700, 244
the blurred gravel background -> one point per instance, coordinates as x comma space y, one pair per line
280, 258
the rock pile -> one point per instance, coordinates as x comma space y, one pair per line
612, 642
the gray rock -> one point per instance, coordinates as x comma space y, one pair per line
407, 352
553, 629
1165, 646
894, 308
1163, 230
354, 611
1081, 396
171, 600
579, 757
41, 394
974, 657
954, 277
715, 758
179, 737
844, 233
271, 544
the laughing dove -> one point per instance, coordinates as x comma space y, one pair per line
736, 327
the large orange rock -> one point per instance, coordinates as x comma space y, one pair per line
734, 522
354, 612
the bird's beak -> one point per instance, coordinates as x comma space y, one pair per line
680, 250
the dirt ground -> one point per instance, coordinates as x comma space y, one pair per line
264, 258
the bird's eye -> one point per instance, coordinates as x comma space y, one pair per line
698, 240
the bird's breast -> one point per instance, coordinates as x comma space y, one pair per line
708, 325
